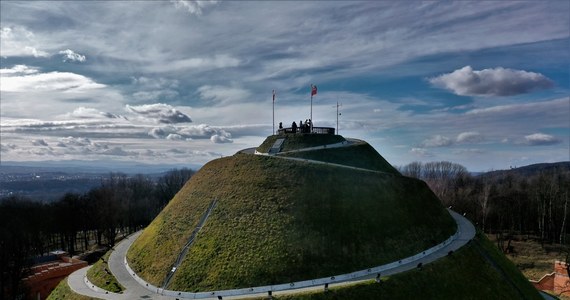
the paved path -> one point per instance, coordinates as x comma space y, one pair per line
133, 290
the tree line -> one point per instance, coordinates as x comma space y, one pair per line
530, 201
76, 222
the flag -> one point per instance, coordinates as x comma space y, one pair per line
313, 90
273, 95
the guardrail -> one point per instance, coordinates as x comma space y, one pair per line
292, 285
316, 130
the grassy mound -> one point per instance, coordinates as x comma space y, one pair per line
279, 221
299, 141
360, 155
467, 274
63, 292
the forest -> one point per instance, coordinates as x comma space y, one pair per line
531, 200
77, 223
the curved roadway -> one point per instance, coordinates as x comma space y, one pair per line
133, 290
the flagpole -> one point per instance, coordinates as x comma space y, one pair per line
311, 117
337, 117
273, 112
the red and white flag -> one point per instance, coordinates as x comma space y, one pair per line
273, 95
313, 90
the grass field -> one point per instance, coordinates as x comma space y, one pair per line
279, 221
100, 275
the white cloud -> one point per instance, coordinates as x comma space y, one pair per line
223, 93
174, 137
69, 55
541, 139
437, 141
469, 137
219, 61
219, 139
18, 41
192, 6
421, 152
160, 113
491, 82
25, 79
18, 70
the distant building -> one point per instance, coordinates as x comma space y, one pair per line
557, 282
49, 271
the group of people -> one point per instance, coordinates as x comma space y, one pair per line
302, 128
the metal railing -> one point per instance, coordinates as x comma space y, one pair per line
316, 130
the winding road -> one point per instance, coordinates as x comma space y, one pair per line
135, 288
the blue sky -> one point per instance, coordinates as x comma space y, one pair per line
485, 84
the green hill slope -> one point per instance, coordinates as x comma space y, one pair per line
360, 155
279, 221
477, 271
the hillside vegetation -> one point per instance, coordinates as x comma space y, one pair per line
477, 271
360, 155
279, 221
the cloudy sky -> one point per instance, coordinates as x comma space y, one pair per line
484, 84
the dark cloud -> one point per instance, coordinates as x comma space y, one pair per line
491, 82
92, 113
39, 142
160, 113
201, 131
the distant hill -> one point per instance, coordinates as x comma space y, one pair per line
278, 220
531, 170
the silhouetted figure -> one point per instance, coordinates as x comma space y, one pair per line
294, 127
280, 125
301, 128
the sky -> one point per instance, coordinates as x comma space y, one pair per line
485, 84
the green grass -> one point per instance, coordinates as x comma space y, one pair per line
64, 292
104, 279
464, 275
361, 155
279, 221
299, 141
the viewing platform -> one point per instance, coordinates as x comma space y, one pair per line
315, 130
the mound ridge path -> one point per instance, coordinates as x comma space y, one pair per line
136, 288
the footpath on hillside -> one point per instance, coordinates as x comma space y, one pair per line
137, 288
